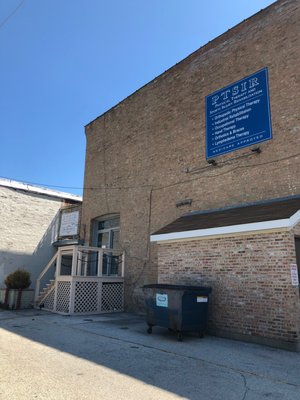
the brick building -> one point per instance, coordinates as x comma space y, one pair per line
147, 165
30, 217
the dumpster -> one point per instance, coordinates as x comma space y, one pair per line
177, 307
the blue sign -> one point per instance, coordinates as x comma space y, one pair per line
238, 115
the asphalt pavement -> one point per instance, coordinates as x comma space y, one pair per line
111, 356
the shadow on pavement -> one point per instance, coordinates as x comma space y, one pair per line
209, 366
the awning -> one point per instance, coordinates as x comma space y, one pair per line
282, 213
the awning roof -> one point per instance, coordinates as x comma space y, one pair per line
246, 214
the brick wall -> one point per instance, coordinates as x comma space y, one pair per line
251, 280
28, 226
138, 152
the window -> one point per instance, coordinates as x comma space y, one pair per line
106, 234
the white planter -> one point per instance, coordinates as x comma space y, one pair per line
26, 298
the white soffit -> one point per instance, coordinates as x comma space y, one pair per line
287, 223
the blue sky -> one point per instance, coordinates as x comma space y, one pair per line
65, 62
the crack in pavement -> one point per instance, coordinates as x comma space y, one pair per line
247, 389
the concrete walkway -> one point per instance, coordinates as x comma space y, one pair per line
47, 356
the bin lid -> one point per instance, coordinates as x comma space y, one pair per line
206, 289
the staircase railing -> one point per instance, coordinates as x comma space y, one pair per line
42, 274
107, 263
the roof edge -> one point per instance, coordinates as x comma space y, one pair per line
243, 205
11, 184
255, 227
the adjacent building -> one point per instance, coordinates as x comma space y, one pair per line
31, 226
204, 159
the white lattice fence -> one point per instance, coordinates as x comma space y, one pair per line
112, 296
49, 300
82, 290
86, 297
63, 297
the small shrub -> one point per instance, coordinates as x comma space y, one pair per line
20, 279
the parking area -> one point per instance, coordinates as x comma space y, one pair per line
111, 356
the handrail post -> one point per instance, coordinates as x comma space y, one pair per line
100, 263
86, 261
58, 264
79, 263
74, 260
123, 265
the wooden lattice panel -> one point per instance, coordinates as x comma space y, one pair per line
49, 300
63, 296
86, 297
112, 297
